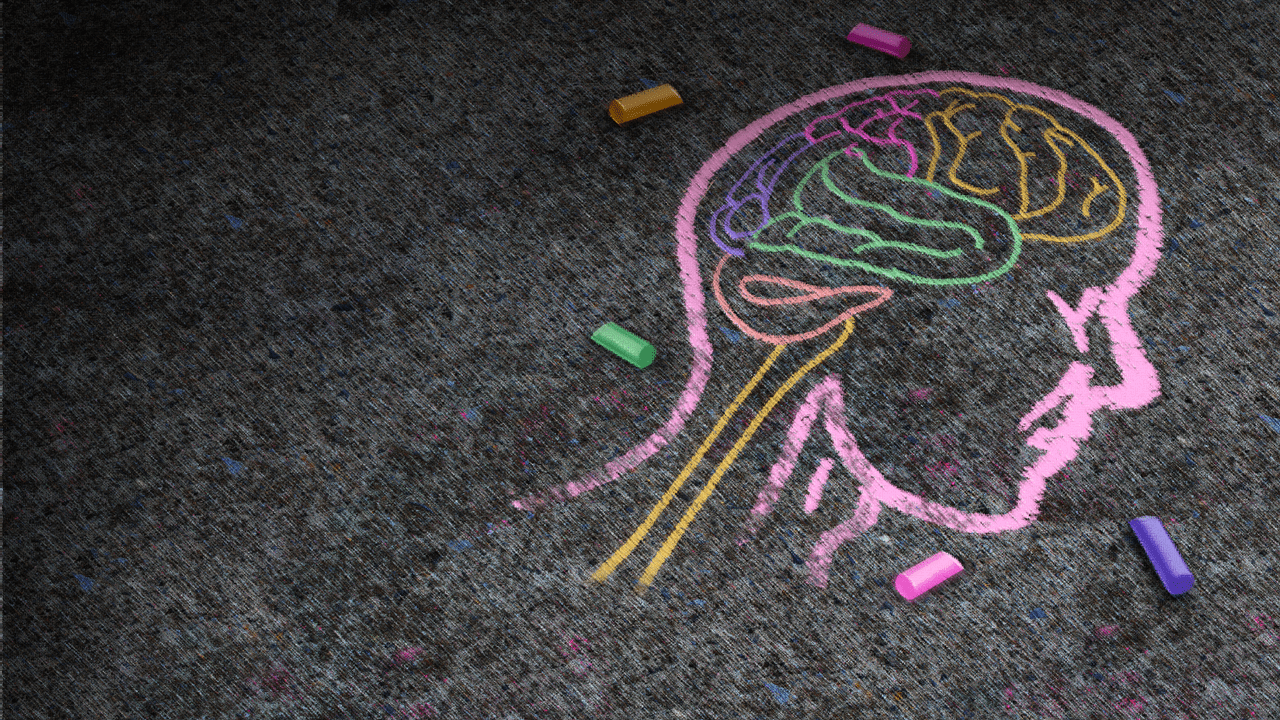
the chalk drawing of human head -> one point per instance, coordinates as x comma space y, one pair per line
916, 191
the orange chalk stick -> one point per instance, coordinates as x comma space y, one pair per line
643, 103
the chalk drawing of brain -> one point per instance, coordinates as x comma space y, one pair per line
860, 199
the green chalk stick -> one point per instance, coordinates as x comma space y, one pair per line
624, 344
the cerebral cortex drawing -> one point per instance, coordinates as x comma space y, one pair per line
911, 191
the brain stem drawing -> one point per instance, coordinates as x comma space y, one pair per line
929, 182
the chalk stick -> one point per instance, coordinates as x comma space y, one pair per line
923, 577
882, 40
624, 344
644, 103
1164, 556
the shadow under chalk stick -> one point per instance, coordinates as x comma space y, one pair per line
1164, 555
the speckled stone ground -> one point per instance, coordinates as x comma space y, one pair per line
298, 301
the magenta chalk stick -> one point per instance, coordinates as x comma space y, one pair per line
882, 40
927, 575
1165, 558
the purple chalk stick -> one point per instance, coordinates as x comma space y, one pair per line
882, 40
1169, 565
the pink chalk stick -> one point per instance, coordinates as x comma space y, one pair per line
882, 40
925, 576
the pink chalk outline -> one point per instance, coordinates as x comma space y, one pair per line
1074, 393
814, 497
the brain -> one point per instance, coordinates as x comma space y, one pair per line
921, 186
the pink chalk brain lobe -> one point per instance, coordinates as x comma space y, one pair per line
834, 217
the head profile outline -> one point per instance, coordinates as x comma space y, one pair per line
1074, 395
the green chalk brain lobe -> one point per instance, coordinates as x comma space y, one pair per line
934, 250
